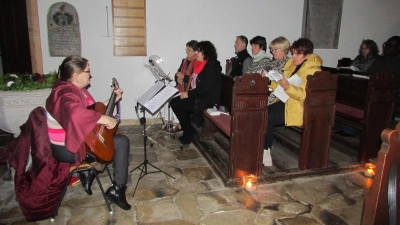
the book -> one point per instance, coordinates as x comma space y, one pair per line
213, 112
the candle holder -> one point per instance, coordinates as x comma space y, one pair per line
369, 170
250, 182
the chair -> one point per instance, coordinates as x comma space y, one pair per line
83, 167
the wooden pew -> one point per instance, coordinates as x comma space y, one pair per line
376, 209
240, 135
318, 119
366, 103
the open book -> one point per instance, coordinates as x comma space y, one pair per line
156, 96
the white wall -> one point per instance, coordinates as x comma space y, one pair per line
170, 24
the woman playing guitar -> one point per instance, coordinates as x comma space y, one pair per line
70, 121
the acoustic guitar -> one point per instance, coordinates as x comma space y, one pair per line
100, 142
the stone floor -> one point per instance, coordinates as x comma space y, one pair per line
197, 195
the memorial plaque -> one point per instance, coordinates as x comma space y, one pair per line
321, 22
63, 30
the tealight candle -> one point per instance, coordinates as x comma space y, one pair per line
250, 182
369, 170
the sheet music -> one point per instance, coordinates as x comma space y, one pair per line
280, 92
295, 80
274, 75
160, 99
151, 92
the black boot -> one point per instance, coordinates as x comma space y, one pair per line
86, 177
116, 194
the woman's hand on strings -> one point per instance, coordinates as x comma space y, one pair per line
108, 121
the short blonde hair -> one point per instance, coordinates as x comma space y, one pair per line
280, 42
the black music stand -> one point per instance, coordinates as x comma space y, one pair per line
143, 165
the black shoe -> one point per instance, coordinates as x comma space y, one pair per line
116, 194
86, 177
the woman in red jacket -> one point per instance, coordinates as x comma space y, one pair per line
70, 122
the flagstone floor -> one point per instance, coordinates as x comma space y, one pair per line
197, 195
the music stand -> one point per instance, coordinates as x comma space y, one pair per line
160, 75
143, 165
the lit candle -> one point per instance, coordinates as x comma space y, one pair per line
250, 182
369, 170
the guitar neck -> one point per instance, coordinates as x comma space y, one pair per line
111, 104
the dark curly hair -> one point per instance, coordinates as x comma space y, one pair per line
302, 46
208, 49
70, 65
371, 45
260, 41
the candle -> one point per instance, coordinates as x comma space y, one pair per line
369, 170
248, 185
250, 182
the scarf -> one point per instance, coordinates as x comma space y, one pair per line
187, 69
198, 67
257, 57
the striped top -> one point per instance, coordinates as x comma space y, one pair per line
54, 129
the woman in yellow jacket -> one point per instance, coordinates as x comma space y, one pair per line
290, 113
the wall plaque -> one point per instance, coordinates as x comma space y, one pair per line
63, 30
321, 22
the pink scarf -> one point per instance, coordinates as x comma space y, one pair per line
198, 67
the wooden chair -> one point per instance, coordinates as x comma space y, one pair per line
83, 167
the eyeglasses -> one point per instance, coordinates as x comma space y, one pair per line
86, 71
188, 50
274, 49
364, 48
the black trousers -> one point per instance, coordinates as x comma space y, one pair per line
276, 117
120, 161
182, 109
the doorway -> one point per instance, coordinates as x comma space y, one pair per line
14, 38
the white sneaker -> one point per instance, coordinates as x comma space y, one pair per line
267, 159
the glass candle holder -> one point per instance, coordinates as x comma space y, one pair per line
369, 170
250, 182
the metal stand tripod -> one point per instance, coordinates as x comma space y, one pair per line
167, 127
143, 166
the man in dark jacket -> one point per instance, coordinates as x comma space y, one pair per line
241, 62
